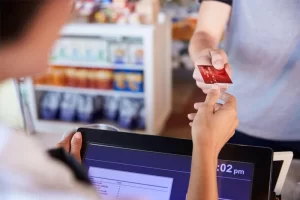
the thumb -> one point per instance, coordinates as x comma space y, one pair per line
212, 96
218, 58
76, 144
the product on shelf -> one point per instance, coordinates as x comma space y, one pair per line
85, 9
134, 81
58, 76
85, 109
149, 9
68, 107
95, 50
141, 121
49, 106
64, 48
43, 79
119, 52
136, 52
119, 80
92, 78
82, 78
104, 79
71, 77
128, 113
111, 108
98, 106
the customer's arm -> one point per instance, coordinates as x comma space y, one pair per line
212, 19
213, 125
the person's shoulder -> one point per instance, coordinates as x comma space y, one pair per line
229, 2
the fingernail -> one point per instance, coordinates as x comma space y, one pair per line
77, 135
218, 64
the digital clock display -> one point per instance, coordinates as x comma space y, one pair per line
234, 175
229, 168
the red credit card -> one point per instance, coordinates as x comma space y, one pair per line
211, 75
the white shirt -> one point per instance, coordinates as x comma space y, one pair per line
27, 172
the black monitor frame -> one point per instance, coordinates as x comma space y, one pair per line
262, 158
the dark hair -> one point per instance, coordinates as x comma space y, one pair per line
15, 15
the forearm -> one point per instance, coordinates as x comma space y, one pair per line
203, 179
200, 41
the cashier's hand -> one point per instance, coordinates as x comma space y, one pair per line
214, 124
214, 57
72, 144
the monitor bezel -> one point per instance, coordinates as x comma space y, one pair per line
262, 158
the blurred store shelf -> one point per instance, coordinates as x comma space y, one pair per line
89, 91
92, 64
68, 127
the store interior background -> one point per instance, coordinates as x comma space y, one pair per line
160, 30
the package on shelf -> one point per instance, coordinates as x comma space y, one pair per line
85, 109
84, 10
71, 77
111, 108
150, 9
134, 81
80, 49
64, 49
68, 105
141, 120
95, 50
119, 80
104, 78
58, 76
98, 106
49, 106
128, 114
82, 78
119, 52
136, 52
43, 78
127, 80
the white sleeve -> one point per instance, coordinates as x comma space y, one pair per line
26, 168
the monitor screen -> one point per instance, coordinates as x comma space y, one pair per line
126, 173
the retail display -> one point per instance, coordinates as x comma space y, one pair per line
105, 79
49, 106
118, 52
136, 52
125, 80
126, 112
117, 11
111, 106
103, 50
99, 65
141, 121
184, 18
68, 107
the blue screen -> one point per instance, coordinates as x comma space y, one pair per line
125, 173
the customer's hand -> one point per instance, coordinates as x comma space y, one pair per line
72, 144
214, 124
214, 57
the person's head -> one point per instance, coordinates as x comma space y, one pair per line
28, 30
